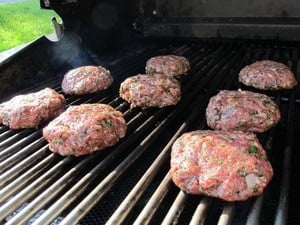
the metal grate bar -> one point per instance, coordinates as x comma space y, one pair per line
29, 191
176, 209
149, 210
282, 210
199, 215
23, 165
25, 147
227, 214
253, 217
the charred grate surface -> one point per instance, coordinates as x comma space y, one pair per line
129, 183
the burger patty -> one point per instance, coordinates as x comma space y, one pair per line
29, 110
242, 110
86, 79
155, 90
170, 65
84, 129
268, 75
232, 166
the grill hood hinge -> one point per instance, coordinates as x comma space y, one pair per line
51, 4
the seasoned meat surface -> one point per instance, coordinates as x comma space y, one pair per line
170, 65
242, 110
85, 128
268, 75
155, 90
86, 79
30, 110
230, 165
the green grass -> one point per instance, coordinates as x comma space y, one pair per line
23, 22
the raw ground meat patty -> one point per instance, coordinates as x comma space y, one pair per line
86, 79
232, 166
171, 65
84, 129
242, 110
29, 110
268, 75
155, 90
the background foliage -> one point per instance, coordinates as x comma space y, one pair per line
23, 21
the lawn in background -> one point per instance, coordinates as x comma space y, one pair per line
22, 22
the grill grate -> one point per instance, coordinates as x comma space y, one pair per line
129, 183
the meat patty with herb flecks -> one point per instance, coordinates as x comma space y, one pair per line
84, 129
155, 90
86, 79
30, 110
170, 65
268, 75
230, 165
242, 110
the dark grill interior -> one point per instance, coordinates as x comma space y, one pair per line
129, 183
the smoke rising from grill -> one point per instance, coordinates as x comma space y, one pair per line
69, 50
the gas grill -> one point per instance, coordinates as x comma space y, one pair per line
129, 183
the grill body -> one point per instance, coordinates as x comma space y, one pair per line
129, 183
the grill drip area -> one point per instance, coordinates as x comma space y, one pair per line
129, 183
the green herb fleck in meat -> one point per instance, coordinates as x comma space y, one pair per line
260, 173
57, 141
253, 149
255, 189
241, 124
216, 112
253, 112
266, 102
242, 172
220, 161
106, 123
